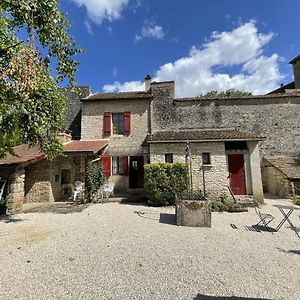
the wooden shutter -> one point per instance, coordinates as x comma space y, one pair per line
125, 160
107, 124
106, 162
127, 123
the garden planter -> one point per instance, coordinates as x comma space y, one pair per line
195, 212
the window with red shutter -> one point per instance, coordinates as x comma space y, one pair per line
107, 124
125, 159
106, 162
127, 123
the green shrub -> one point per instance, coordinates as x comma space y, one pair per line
95, 177
165, 180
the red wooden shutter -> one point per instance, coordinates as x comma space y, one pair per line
107, 124
125, 160
126, 123
106, 162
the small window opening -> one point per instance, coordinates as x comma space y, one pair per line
169, 157
206, 158
118, 123
118, 165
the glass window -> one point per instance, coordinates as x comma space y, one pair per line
118, 165
118, 123
206, 158
169, 157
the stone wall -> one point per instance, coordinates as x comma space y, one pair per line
275, 182
215, 175
16, 194
73, 117
93, 116
276, 118
37, 182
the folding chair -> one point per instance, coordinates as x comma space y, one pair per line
265, 218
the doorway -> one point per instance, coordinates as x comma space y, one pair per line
136, 172
237, 174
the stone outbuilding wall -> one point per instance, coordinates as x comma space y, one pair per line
273, 116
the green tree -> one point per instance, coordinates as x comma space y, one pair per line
226, 94
32, 107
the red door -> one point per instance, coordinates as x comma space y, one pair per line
237, 174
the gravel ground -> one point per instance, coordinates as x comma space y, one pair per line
108, 251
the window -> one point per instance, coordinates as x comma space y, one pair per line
169, 157
118, 123
118, 165
206, 158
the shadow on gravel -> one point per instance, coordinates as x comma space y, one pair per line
167, 219
206, 297
290, 251
260, 228
9, 219
57, 208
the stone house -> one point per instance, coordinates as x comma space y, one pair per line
131, 122
33, 178
224, 140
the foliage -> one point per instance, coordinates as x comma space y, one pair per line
95, 177
226, 94
3, 206
32, 107
165, 181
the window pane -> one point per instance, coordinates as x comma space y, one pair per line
206, 158
118, 123
115, 165
169, 157
121, 165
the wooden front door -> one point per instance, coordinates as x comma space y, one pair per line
237, 174
136, 172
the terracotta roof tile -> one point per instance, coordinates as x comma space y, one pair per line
85, 146
119, 96
26, 155
203, 135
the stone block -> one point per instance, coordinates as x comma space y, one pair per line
193, 213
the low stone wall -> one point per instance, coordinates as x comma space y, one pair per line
193, 213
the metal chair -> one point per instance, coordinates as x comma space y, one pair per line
265, 218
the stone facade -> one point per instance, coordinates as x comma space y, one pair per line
275, 181
16, 194
73, 118
215, 175
93, 122
275, 117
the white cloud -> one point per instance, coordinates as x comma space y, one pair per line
124, 87
115, 72
241, 48
150, 31
88, 27
98, 10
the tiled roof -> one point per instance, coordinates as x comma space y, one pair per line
85, 146
26, 155
288, 165
122, 95
202, 136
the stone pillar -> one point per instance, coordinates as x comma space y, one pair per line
255, 170
296, 68
16, 190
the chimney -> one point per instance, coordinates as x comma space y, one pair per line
296, 67
64, 138
147, 83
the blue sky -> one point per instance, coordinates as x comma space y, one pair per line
202, 45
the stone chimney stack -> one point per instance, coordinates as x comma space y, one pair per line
296, 67
147, 83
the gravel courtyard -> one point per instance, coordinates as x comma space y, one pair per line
108, 251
